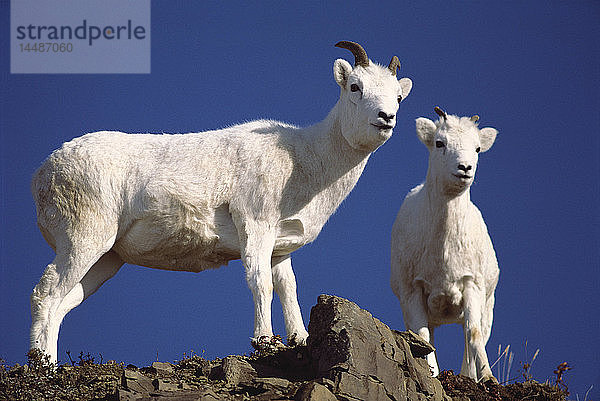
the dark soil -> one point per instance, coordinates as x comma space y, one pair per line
530, 390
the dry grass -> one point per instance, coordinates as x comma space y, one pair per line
42, 380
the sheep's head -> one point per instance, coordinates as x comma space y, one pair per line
454, 145
370, 97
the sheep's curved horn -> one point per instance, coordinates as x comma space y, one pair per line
394, 65
360, 55
440, 112
475, 118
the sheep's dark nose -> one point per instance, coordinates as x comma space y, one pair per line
464, 168
386, 117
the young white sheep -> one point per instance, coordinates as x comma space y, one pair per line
443, 265
255, 191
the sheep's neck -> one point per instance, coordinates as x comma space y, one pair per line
335, 169
447, 209
330, 144
338, 158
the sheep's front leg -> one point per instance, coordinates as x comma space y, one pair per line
284, 282
415, 319
475, 361
257, 243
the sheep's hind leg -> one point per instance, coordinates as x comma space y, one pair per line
40, 308
105, 268
284, 282
67, 270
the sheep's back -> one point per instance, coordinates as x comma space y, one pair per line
170, 197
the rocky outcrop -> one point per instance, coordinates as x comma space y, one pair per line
350, 356
364, 358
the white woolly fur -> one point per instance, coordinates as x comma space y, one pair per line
443, 265
189, 202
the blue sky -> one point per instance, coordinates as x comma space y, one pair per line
529, 69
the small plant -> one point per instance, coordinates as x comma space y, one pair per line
193, 362
527, 368
527, 376
192, 358
505, 360
84, 360
41, 379
39, 363
504, 368
586, 393
194, 369
560, 369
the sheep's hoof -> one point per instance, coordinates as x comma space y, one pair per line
267, 345
296, 339
489, 380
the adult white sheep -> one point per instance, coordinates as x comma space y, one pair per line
443, 265
255, 191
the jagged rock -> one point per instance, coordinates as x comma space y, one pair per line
236, 370
418, 347
313, 391
165, 385
326, 382
126, 395
197, 395
136, 382
293, 364
267, 388
209, 395
363, 357
163, 366
272, 382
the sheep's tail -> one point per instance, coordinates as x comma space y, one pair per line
445, 302
40, 188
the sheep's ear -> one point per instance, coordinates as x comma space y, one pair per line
406, 86
425, 131
487, 137
341, 71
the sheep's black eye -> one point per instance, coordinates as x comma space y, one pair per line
354, 88
478, 149
399, 99
439, 144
